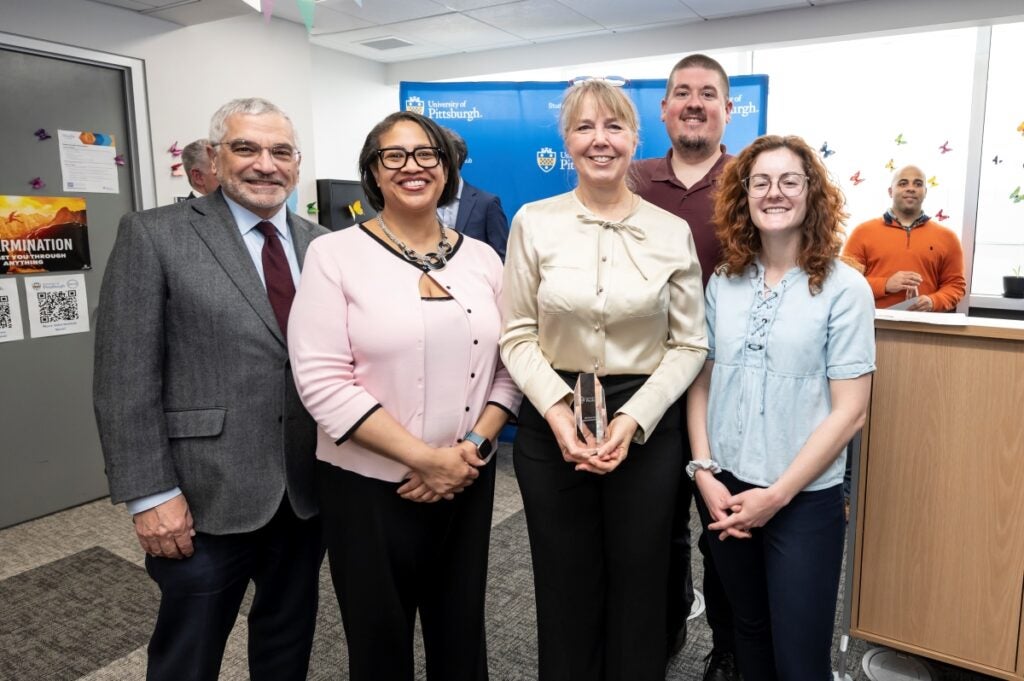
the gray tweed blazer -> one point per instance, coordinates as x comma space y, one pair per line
192, 385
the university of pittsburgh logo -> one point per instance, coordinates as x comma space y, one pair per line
414, 104
546, 158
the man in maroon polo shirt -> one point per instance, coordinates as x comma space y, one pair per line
695, 111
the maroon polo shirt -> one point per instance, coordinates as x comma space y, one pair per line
656, 183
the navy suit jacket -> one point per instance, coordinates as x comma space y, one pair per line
481, 217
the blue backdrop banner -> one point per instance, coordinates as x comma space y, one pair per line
511, 129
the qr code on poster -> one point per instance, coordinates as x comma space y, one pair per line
57, 306
5, 313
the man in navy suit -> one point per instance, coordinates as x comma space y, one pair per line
473, 211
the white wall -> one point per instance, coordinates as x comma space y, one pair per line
349, 97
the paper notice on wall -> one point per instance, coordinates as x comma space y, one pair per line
10, 311
57, 305
87, 161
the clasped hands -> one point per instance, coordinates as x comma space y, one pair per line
586, 454
735, 515
908, 282
445, 472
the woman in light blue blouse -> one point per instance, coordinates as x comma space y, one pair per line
784, 388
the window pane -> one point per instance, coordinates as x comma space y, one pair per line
999, 244
858, 96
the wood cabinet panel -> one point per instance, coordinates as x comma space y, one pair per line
941, 556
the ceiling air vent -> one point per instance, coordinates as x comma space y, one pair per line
389, 43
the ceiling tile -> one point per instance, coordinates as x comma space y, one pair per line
327, 20
536, 19
344, 43
716, 8
135, 5
383, 11
463, 5
456, 31
620, 14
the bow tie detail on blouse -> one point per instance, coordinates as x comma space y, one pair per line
622, 229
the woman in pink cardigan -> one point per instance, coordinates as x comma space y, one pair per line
393, 339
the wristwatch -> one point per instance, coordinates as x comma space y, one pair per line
483, 445
702, 465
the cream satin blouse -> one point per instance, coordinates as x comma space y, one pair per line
584, 294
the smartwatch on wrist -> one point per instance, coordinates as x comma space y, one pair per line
483, 445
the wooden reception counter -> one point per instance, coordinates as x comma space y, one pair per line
939, 563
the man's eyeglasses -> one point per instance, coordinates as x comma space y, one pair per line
394, 158
282, 153
790, 184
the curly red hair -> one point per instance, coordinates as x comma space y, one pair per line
823, 225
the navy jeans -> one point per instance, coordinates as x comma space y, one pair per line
782, 585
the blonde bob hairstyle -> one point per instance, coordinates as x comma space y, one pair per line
607, 97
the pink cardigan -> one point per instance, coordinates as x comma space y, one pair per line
356, 340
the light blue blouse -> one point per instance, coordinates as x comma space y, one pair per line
774, 354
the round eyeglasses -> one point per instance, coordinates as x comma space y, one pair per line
790, 184
395, 158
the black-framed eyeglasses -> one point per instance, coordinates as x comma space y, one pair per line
394, 158
790, 184
282, 153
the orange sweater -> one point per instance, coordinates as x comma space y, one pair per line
883, 247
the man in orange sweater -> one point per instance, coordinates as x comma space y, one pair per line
906, 255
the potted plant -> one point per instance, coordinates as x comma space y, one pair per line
1013, 286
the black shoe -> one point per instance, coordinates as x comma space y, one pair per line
677, 641
720, 666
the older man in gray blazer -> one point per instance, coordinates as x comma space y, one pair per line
202, 430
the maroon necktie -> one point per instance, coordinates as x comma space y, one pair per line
280, 287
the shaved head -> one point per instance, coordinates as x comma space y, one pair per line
907, 191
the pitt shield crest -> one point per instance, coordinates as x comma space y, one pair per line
414, 104
546, 158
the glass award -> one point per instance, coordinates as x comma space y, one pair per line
591, 412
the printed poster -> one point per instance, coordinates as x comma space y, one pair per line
10, 311
87, 161
43, 234
57, 305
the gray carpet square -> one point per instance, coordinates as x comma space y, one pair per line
70, 617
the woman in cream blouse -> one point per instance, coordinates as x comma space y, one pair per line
599, 280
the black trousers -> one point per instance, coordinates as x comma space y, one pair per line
391, 557
782, 584
600, 549
680, 573
201, 595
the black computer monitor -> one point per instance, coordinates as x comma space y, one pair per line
338, 203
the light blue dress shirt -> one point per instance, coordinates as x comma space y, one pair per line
246, 222
448, 214
775, 352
